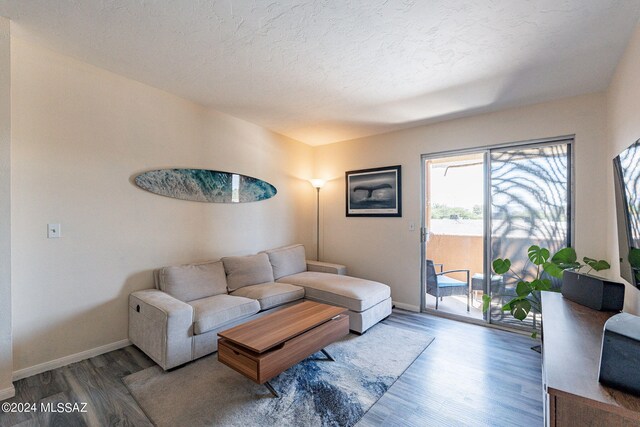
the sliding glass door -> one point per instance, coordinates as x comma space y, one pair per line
454, 217
530, 205
514, 196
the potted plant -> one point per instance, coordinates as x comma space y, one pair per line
527, 292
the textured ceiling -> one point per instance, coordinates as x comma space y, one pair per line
325, 71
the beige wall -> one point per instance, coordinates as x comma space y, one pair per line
79, 135
457, 252
385, 249
623, 107
6, 363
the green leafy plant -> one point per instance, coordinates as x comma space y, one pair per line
527, 292
634, 260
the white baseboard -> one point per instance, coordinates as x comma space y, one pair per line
63, 361
7, 393
408, 307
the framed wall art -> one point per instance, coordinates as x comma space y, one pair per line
374, 192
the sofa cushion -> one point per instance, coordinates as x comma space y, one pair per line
247, 270
193, 281
287, 261
214, 312
271, 295
345, 291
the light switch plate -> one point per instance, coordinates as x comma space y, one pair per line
53, 231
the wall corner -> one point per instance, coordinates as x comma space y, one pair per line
6, 349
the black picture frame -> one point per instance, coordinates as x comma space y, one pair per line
374, 192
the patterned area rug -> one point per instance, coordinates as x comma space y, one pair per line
315, 392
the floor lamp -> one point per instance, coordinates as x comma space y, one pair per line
317, 184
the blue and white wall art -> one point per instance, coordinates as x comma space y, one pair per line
203, 185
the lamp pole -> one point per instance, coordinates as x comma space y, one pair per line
317, 223
317, 184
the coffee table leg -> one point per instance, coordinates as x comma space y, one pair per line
328, 355
271, 389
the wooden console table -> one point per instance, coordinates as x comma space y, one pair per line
572, 337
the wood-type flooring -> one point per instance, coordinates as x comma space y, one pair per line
469, 376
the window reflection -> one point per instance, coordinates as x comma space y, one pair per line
235, 188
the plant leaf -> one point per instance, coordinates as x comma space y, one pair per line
534, 334
553, 269
538, 255
523, 289
520, 309
541, 285
486, 302
501, 266
570, 266
597, 265
634, 257
565, 256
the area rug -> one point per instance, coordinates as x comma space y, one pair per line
315, 392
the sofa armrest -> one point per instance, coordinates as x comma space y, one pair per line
326, 267
161, 326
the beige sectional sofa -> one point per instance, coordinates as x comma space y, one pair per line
179, 320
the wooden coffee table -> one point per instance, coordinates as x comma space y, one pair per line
265, 347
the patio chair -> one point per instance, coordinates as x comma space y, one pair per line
440, 285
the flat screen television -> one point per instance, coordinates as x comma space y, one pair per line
627, 188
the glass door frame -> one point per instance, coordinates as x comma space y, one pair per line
486, 151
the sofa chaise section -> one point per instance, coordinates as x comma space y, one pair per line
368, 302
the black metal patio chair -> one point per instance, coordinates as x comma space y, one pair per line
440, 285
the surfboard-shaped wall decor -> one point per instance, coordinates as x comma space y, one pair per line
203, 185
